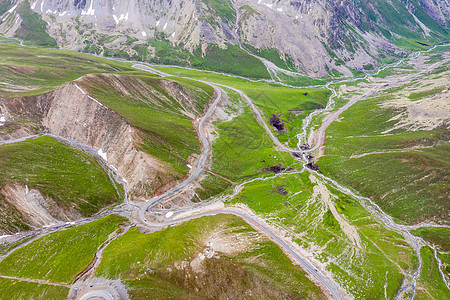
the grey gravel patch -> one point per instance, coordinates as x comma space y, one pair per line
99, 289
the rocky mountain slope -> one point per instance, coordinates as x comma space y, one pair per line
70, 112
314, 37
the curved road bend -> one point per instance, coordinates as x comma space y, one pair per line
282, 244
98, 294
201, 164
250, 103
324, 126
273, 236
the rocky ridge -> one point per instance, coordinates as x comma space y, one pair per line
313, 37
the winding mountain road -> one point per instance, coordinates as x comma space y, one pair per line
266, 230
206, 149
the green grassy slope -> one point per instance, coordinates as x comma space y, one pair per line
411, 184
15, 289
242, 148
167, 130
367, 271
33, 71
260, 267
430, 279
60, 256
69, 177
292, 104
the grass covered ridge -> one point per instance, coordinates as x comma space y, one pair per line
409, 184
68, 176
32, 71
260, 267
60, 256
302, 206
161, 109
15, 289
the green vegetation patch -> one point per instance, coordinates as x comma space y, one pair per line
232, 60
60, 256
280, 60
397, 24
292, 104
33, 29
301, 205
11, 220
32, 71
222, 9
439, 237
243, 149
15, 289
147, 104
409, 184
69, 177
151, 263
211, 185
427, 93
431, 280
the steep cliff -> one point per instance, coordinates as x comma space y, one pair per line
70, 112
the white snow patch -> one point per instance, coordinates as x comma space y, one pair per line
280, 9
165, 26
122, 17
90, 11
157, 23
169, 214
144, 34
172, 35
12, 9
42, 5
63, 14
95, 100
2, 120
269, 5
49, 11
114, 168
92, 98
4, 236
32, 6
102, 154
189, 166
80, 89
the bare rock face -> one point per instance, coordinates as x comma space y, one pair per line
70, 112
318, 36
75, 115
36, 209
